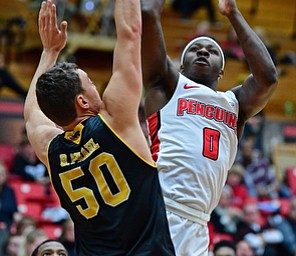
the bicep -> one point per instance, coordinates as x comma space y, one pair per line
252, 97
40, 136
154, 51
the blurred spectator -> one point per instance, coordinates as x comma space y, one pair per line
272, 48
235, 180
24, 224
203, 28
288, 228
243, 248
8, 80
225, 217
32, 239
189, 7
26, 164
288, 58
8, 206
224, 247
262, 239
231, 46
260, 177
13, 245
67, 237
254, 130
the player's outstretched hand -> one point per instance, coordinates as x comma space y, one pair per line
52, 38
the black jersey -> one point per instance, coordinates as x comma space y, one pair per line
111, 193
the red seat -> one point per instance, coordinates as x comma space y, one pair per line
291, 178
284, 206
215, 237
33, 210
27, 191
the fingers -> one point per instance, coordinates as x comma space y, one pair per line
64, 26
53, 16
47, 14
41, 18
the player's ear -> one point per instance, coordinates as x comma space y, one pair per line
221, 74
181, 69
81, 101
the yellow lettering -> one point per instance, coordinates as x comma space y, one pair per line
76, 157
63, 160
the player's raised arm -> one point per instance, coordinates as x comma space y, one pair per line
123, 93
257, 89
39, 128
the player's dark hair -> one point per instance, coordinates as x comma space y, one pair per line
224, 243
56, 91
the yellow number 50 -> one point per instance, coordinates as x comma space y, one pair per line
87, 194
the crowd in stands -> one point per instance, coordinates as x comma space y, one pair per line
255, 207
187, 8
7, 79
24, 183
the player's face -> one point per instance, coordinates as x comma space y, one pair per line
203, 60
91, 93
52, 249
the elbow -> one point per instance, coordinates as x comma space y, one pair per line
273, 77
268, 77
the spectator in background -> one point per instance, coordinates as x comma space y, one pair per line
288, 228
272, 48
33, 237
7, 79
8, 206
225, 217
189, 7
202, 29
67, 237
232, 49
235, 180
263, 239
24, 224
231, 46
260, 177
254, 130
26, 164
224, 247
13, 245
243, 248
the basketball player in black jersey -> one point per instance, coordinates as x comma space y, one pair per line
94, 148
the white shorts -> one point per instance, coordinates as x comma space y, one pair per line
189, 238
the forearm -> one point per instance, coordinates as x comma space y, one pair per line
128, 24
47, 60
154, 51
128, 21
259, 60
